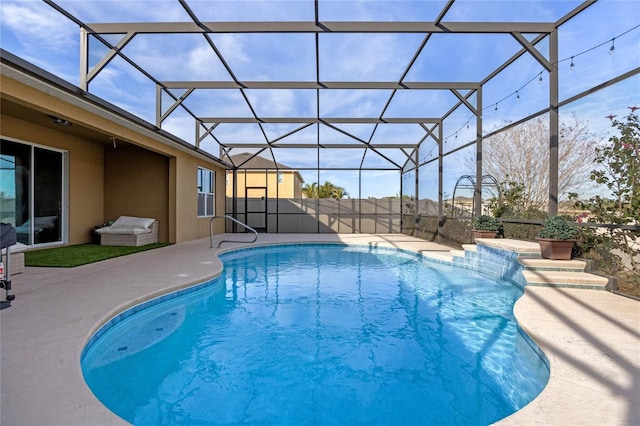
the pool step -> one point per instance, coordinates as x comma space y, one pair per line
537, 271
561, 273
466, 250
439, 255
523, 248
565, 279
458, 253
533, 264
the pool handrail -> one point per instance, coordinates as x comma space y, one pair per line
233, 219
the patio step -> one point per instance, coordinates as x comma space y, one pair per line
539, 264
536, 271
550, 273
565, 279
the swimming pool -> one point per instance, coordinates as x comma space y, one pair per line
320, 334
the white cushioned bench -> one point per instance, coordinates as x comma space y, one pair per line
129, 231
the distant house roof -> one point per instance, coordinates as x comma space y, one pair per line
250, 161
247, 160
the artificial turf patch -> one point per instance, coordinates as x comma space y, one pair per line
81, 254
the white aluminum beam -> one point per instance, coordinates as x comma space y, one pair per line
320, 27
314, 120
357, 145
338, 85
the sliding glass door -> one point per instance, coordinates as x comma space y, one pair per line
47, 196
32, 191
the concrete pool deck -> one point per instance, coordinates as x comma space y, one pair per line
592, 338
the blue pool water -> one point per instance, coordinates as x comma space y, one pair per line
321, 334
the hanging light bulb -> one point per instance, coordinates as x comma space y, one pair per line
540, 79
517, 95
613, 47
572, 66
496, 108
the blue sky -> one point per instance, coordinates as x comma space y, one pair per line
39, 34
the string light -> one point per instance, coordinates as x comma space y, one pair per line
540, 80
613, 47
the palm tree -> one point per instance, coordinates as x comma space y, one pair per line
326, 190
310, 190
334, 191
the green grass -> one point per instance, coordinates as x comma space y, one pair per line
82, 254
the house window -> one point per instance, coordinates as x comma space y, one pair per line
280, 177
33, 191
206, 192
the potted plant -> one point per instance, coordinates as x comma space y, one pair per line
556, 238
485, 226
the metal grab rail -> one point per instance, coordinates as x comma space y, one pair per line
233, 219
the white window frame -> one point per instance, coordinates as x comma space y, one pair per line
206, 192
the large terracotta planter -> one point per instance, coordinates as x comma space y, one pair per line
479, 233
555, 249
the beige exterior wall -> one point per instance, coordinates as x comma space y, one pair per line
145, 175
86, 177
186, 193
291, 186
136, 183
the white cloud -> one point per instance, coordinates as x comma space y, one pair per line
126, 11
353, 103
380, 10
269, 56
181, 126
37, 26
233, 48
185, 57
515, 10
203, 64
282, 102
366, 57
252, 10
239, 133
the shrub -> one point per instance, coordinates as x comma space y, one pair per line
558, 228
486, 223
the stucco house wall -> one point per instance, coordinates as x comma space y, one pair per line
148, 173
291, 186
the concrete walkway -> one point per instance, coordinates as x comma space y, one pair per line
591, 337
